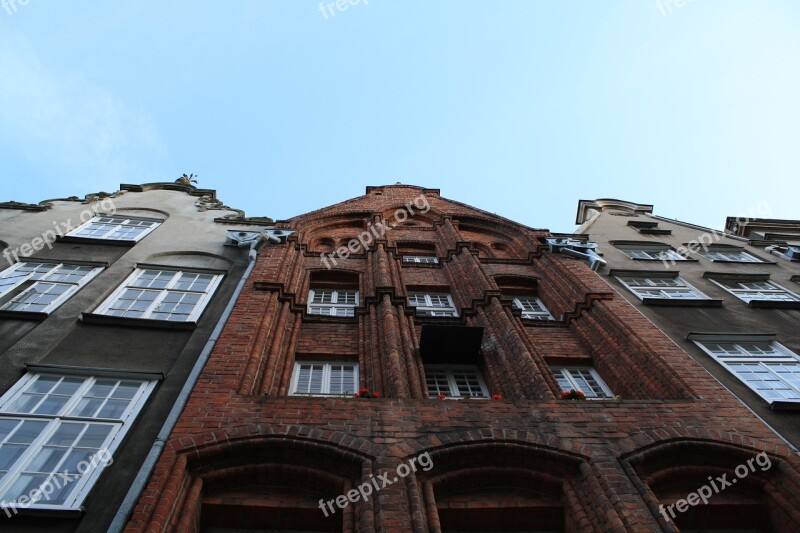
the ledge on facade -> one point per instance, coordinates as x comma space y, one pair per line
86, 240
586, 207
761, 261
773, 304
43, 513
168, 186
95, 371
94, 318
678, 302
784, 406
529, 322
24, 207
736, 276
23, 315
671, 261
247, 221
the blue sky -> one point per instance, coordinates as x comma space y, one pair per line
517, 107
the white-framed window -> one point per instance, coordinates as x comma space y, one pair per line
582, 378
115, 228
651, 252
424, 259
672, 288
42, 287
771, 370
455, 381
160, 294
320, 378
332, 302
432, 303
728, 255
57, 432
747, 290
532, 308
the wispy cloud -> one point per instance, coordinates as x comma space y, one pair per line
60, 119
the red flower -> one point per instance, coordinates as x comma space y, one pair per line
363, 391
573, 394
376, 395
497, 397
356, 395
442, 397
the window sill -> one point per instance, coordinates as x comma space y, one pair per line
669, 260
676, 302
23, 315
422, 265
654, 231
88, 240
773, 304
460, 399
93, 318
33, 511
743, 262
785, 405
329, 318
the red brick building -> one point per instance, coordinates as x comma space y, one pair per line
469, 328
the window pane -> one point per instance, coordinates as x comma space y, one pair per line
57, 453
342, 379
309, 379
153, 279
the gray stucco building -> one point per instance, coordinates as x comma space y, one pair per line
107, 304
731, 298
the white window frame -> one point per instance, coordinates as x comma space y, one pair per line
23, 278
452, 384
568, 374
326, 378
421, 259
748, 294
716, 254
740, 354
650, 252
667, 292
430, 309
199, 307
334, 308
532, 301
120, 221
83, 485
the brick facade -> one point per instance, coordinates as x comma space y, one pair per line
246, 455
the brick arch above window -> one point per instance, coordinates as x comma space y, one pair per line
523, 487
747, 489
290, 472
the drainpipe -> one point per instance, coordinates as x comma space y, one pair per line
142, 478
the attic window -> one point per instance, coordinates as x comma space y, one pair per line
648, 228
